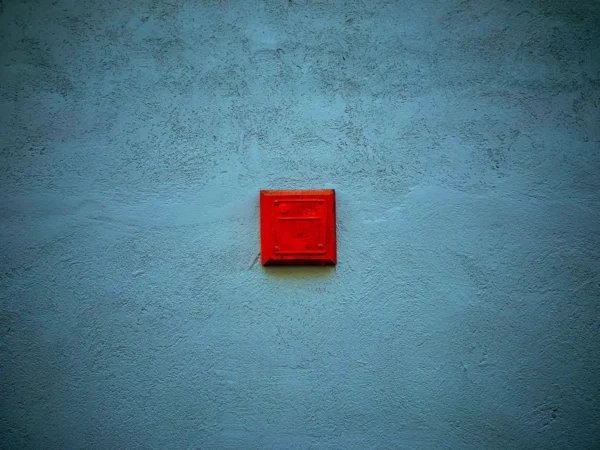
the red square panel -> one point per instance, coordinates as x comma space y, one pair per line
297, 227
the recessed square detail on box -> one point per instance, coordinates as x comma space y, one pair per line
297, 227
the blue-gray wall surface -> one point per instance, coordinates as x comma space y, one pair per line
463, 140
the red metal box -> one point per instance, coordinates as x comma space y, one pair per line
297, 227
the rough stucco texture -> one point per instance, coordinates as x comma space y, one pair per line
462, 138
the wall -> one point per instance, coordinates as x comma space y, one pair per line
462, 138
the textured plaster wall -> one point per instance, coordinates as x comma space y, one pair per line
462, 138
